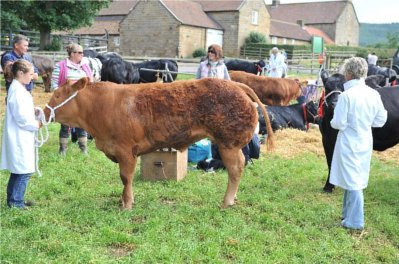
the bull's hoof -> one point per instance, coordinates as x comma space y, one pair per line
123, 208
228, 204
124, 205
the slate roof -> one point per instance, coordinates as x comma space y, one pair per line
220, 5
283, 29
99, 27
310, 13
118, 7
190, 13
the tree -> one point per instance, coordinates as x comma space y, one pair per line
393, 40
255, 37
48, 16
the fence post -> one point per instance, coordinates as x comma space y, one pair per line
311, 63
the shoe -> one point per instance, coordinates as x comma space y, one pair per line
29, 203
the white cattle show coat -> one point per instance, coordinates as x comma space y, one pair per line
276, 65
358, 109
18, 142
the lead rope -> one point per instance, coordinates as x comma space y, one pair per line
39, 138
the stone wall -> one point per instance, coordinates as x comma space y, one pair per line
329, 29
347, 30
237, 25
229, 21
246, 26
191, 38
149, 30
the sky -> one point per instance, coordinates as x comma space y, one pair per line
367, 11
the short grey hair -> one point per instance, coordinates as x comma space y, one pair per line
355, 66
19, 38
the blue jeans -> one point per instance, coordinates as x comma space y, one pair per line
16, 189
352, 211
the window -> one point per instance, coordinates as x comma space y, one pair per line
292, 41
254, 18
284, 41
274, 40
117, 41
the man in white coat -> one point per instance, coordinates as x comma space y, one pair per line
18, 142
359, 108
277, 66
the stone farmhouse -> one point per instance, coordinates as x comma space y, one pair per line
335, 21
171, 28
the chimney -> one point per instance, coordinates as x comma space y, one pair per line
301, 23
275, 3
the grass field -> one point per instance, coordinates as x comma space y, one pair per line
281, 216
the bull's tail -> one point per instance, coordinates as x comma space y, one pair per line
255, 98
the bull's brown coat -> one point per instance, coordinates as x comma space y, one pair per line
127, 121
271, 91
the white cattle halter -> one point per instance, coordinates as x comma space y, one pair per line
329, 94
39, 138
52, 109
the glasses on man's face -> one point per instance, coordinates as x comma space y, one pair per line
79, 52
211, 51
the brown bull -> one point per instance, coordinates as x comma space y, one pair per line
45, 65
271, 91
127, 121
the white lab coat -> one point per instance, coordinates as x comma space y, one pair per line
276, 65
18, 150
358, 109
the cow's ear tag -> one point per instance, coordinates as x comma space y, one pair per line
79, 85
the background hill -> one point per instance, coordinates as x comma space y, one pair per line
371, 34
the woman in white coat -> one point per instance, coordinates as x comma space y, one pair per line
359, 108
277, 66
18, 150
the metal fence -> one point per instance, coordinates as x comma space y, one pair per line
6, 37
100, 43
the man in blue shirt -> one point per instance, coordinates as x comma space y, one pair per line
20, 49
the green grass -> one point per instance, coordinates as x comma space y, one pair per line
281, 217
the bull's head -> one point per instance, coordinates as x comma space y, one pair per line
333, 86
62, 105
375, 81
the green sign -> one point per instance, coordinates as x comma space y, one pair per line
317, 45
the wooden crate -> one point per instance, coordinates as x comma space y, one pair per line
166, 164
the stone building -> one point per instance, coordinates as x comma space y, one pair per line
165, 28
175, 28
335, 20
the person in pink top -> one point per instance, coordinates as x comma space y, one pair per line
72, 68
213, 66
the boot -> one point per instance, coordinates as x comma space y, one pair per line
63, 146
82, 141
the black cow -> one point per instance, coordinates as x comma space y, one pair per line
386, 72
383, 138
157, 65
295, 116
119, 71
375, 81
107, 55
242, 65
89, 53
